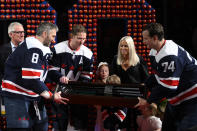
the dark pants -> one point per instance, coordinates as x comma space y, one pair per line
17, 129
130, 121
22, 114
182, 117
79, 116
60, 116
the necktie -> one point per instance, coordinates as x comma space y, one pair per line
13, 49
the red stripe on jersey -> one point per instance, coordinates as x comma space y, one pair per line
43, 66
163, 99
30, 73
14, 88
121, 115
171, 82
72, 68
50, 66
51, 86
183, 96
51, 94
63, 65
87, 74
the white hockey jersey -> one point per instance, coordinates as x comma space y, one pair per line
77, 65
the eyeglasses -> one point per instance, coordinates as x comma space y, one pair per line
19, 32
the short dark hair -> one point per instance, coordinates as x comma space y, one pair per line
78, 29
155, 29
45, 26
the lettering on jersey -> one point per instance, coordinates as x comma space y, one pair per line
77, 75
81, 61
48, 56
189, 56
195, 61
43, 77
168, 66
73, 77
70, 75
192, 58
62, 71
35, 57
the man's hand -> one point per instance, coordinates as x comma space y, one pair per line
58, 99
142, 102
64, 79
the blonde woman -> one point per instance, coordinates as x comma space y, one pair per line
131, 68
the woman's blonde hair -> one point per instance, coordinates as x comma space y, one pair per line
133, 57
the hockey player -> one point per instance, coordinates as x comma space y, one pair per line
75, 61
23, 82
175, 78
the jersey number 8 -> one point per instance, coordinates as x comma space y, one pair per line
35, 57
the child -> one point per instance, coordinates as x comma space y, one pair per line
102, 74
113, 79
148, 121
113, 116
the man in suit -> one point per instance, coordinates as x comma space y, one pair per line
16, 34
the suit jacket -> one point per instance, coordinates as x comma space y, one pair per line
5, 51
